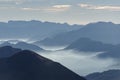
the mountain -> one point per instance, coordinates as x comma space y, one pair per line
22, 45
112, 53
27, 65
106, 32
107, 75
33, 30
88, 45
8, 51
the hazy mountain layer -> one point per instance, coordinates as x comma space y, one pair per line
88, 45
33, 30
105, 32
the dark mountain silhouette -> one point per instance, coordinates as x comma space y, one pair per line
88, 45
106, 32
112, 53
22, 45
107, 75
8, 51
34, 30
27, 65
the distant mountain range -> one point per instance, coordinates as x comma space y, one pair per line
88, 45
27, 65
56, 34
107, 75
33, 30
22, 45
106, 32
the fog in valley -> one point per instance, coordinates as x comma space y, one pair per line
82, 63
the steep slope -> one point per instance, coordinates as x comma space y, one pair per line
88, 45
105, 32
107, 75
8, 51
27, 65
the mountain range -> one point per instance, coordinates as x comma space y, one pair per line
88, 45
33, 30
105, 32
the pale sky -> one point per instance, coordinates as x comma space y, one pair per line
63, 11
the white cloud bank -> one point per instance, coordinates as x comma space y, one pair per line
102, 7
79, 62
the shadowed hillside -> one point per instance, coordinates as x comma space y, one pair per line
27, 65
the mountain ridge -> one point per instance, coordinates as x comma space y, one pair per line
33, 29
88, 45
106, 32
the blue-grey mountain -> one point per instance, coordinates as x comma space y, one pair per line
106, 32
88, 45
33, 30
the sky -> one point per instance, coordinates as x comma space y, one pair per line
62, 11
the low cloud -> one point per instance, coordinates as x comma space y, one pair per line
80, 62
61, 6
31, 9
51, 9
103, 7
58, 8
54, 8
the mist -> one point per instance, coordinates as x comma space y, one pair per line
80, 62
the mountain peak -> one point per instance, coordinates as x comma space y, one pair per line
29, 55
101, 24
28, 65
26, 53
